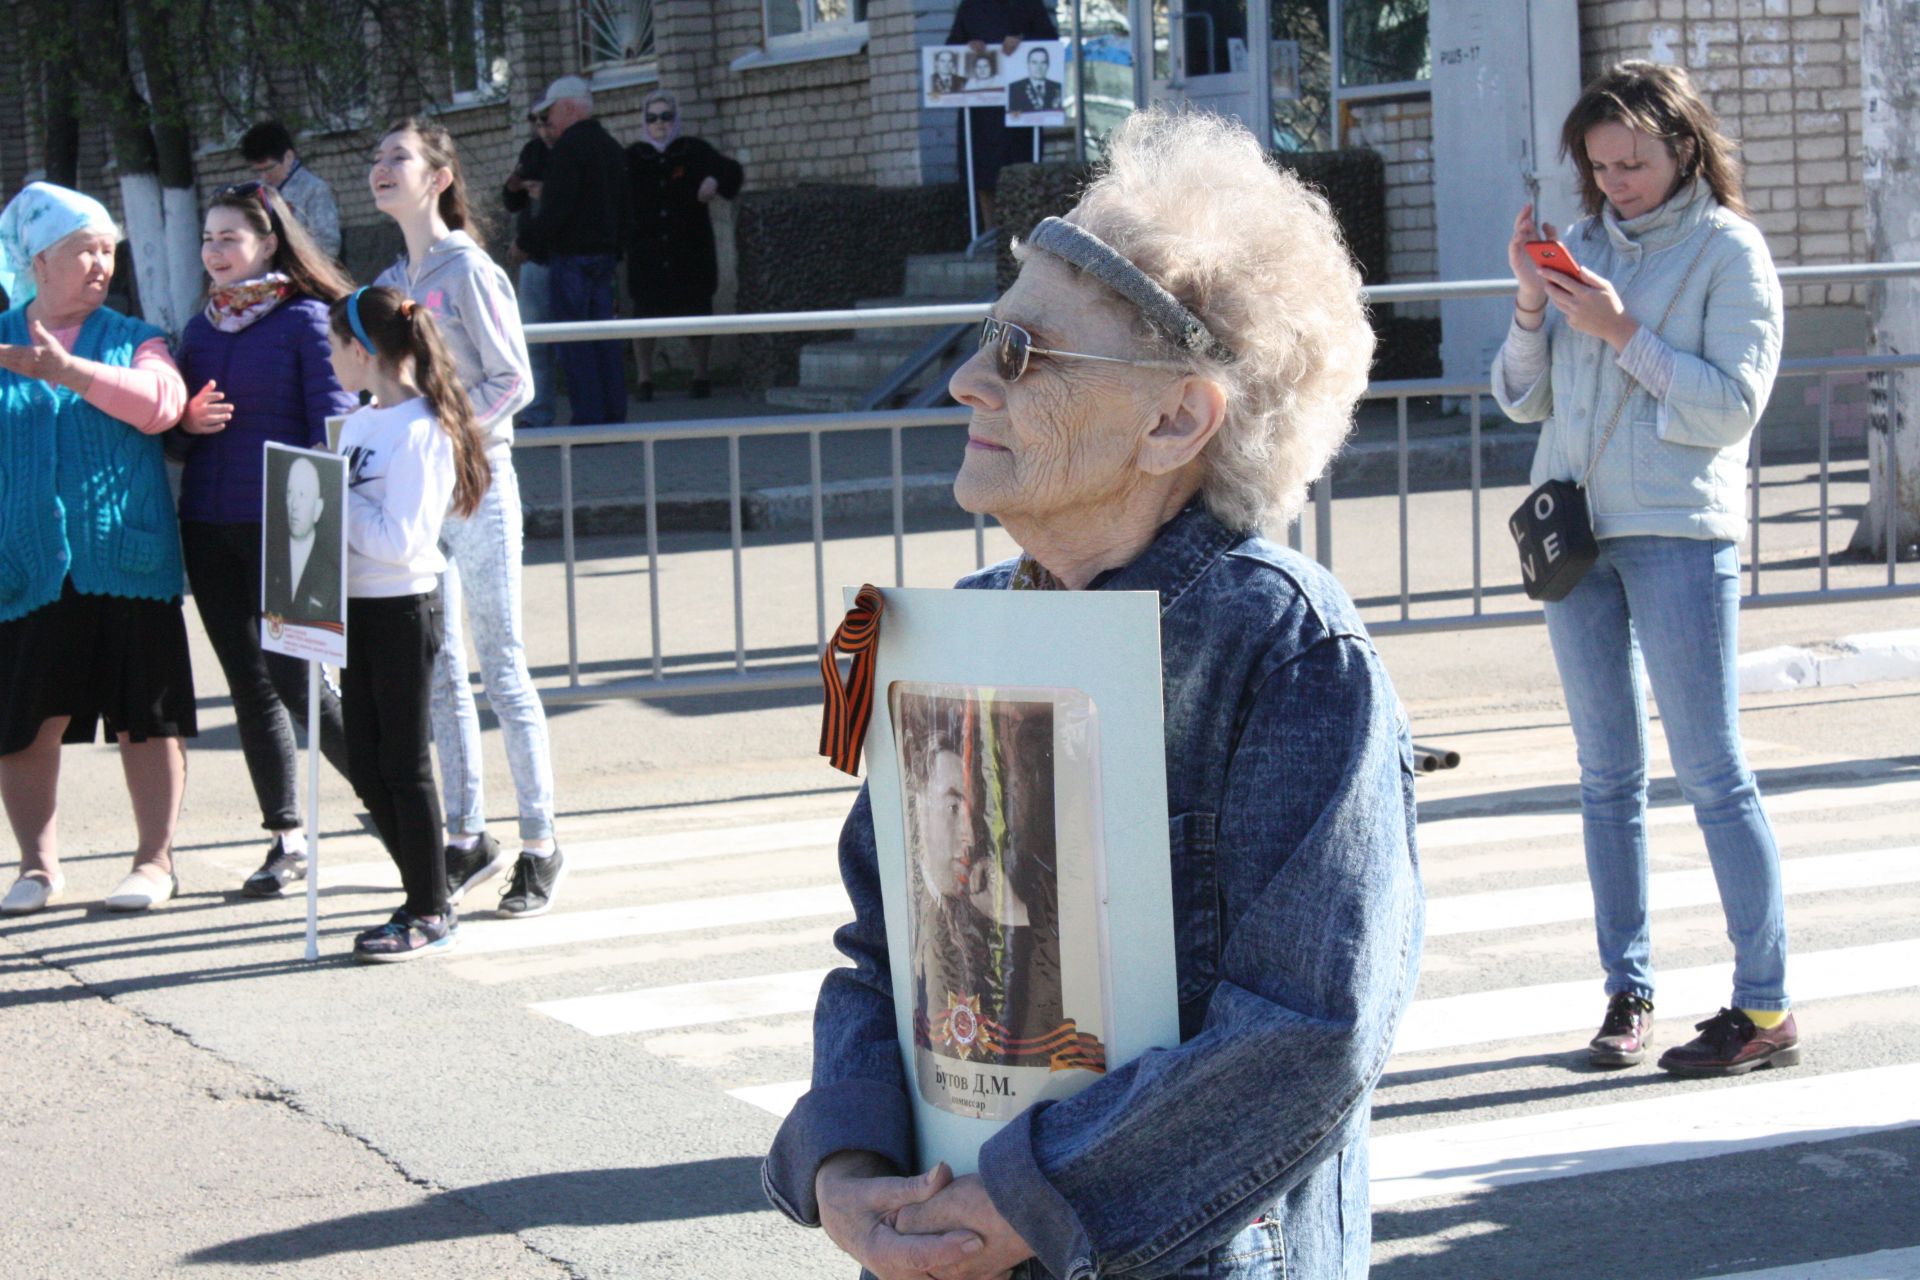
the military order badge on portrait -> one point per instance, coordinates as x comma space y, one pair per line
1018, 785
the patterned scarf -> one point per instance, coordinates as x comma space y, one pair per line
233, 307
1031, 575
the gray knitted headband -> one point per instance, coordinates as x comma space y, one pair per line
1077, 245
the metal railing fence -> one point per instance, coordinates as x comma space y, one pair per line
655, 682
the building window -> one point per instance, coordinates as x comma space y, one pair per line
615, 33
1382, 52
478, 57
790, 21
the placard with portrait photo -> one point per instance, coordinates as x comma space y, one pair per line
953, 76
1016, 770
303, 554
1036, 94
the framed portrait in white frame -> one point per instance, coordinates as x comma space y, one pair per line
1016, 768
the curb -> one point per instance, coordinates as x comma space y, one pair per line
1862, 659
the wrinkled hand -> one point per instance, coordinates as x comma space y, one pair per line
1533, 291
1591, 306
964, 1206
1008, 45
209, 411
533, 187
44, 359
858, 1205
709, 188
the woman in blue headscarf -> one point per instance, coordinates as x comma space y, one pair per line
90, 576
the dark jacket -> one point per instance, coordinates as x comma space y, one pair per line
1022, 98
583, 204
316, 597
671, 249
277, 374
532, 167
995, 20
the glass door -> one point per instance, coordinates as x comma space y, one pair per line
1200, 55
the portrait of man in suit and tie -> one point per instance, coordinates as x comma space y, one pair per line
946, 77
302, 583
1036, 93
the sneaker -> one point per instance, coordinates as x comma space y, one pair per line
406, 937
1624, 1034
1729, 1044
276, 873
469, 867
530, 892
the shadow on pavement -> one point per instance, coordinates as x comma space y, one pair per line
580, 1198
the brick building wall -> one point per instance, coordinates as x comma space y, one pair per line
1402, 132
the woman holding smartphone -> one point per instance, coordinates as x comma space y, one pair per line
1650, 389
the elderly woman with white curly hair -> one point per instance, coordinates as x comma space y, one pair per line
1178, 359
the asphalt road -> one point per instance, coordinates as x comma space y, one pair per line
588, 1094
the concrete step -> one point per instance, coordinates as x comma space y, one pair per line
919, 333
860, 362
821, 399
950, 275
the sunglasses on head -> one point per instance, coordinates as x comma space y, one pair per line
1012, 347
256, 191
659, 117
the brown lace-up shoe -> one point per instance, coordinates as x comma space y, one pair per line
1625, 1034
1730, 1045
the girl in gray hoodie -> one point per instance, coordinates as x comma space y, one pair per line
417, 181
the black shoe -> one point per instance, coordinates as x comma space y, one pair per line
1624, 1034
1729, 1044
406, 937
700, 390
469, 867
276, 873
644, 393
530, 892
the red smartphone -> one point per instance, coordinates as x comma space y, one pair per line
1551, 255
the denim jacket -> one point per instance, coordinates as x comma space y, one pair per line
1298, 917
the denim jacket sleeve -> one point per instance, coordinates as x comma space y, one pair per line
1717, 395
858, 1101
1179, 1150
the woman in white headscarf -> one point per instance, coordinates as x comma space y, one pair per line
90, 573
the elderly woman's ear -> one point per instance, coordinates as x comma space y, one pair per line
1190, 414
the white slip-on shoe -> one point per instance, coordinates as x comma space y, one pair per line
137, 892
30, 894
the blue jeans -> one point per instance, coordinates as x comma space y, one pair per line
1669, 607
483, 574
582, 289
535, 292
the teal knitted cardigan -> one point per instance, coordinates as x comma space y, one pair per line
81, 493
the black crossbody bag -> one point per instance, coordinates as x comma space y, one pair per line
1553, 528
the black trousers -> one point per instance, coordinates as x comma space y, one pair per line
269, 689
391, 641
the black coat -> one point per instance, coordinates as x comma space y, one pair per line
532, 167
583, 203
994, 20
671, 265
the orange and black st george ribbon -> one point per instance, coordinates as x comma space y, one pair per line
843, 720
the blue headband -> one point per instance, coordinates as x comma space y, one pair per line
353, 318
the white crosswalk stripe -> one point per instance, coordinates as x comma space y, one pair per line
733, 924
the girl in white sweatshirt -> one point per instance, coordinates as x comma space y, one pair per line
411, 455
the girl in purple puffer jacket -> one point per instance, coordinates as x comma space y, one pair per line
257, 361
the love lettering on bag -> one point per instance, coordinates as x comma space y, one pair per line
1553, 529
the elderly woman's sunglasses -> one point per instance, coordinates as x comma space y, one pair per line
659, 117
1012, 347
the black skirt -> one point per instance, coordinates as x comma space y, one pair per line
93, 659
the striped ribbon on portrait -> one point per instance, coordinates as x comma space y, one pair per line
843, 720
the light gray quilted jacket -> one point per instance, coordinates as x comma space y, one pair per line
1675, 467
